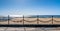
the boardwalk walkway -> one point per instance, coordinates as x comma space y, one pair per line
28, 29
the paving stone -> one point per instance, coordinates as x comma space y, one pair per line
28, 29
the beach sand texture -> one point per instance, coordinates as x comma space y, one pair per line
32, 21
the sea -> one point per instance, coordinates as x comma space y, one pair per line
31, 16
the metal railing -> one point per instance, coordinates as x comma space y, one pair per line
52, 20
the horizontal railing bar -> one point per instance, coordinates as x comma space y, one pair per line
31, 25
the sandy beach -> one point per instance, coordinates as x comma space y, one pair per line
32, 21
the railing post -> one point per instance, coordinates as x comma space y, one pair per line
8, 19
52, 19
37, 19
23, 19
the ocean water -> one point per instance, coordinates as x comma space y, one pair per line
32, 16
5, 18
44, 16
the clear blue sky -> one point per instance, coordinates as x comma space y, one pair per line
29, 7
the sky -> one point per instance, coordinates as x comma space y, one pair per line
29, 7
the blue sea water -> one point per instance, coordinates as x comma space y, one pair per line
33, 16
45, 16
4, 18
